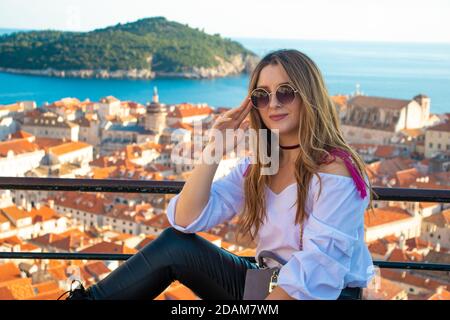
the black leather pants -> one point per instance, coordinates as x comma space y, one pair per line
209, 271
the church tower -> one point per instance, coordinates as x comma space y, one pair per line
425, 102
156, 115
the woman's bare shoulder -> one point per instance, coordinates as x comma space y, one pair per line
336, 167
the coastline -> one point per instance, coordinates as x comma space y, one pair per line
237, 65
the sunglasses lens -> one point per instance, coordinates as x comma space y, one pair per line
260, 98
285, 94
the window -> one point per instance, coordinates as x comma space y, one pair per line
431, 145
439, 146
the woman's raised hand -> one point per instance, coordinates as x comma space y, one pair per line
232, 119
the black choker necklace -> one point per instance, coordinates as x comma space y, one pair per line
289, 147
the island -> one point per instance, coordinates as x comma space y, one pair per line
144, 49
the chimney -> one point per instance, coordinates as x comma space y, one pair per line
28, 206
38, 205
402, 242
51, 203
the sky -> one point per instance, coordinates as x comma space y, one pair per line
352, 20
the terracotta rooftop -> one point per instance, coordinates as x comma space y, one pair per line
389, 290
9, 271
108, 247
378, 102
186, 110
19, 146
441, 219
443, 127
68, 147
384, 215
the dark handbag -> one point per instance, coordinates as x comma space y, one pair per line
260, 282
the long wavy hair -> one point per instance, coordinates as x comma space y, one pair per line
319, 132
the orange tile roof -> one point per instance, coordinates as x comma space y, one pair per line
411, 279
442, 295
378, 247
58, 273
441, 219
428, 185
388, 290
45, 287
159, 221
385, 151
413, 132
20, 134
6, 294
87, 202
46, 143
398, 255
417, 243
424, 205
339, 99
443, 127
390, 167
385, 215
18, 146
108, 247
181, 125
19, 289
407, 176
102, 173
44, 213
97, 269
11, 240
208, 236
47, 239
3, 218
68, 147
186, 110
49, 295
13, 212
9, 271
178, 291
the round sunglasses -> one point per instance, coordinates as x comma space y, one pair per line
260, 97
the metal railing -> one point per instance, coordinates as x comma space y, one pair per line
174, 187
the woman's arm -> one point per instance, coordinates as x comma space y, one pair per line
196, 191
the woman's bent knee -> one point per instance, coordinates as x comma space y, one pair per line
171, 232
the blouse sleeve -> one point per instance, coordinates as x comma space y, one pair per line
329, 237
226, 199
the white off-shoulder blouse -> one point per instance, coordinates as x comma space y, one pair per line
334, 254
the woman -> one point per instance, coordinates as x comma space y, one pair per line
321, 185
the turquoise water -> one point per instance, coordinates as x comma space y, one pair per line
381, 69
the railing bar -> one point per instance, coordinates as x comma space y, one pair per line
122, 257
174, 187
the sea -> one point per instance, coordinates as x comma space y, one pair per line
383, 69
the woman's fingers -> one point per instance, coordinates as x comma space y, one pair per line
244, 113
